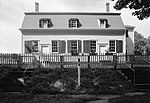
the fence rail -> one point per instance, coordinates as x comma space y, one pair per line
33, 61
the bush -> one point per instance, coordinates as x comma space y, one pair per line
93, 81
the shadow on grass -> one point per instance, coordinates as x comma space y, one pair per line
132, 99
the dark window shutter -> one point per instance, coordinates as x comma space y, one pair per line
40, 23
62, 46
28, 46
79, 46
70, 23
49, 23
68, 45
78, 23
86, 46
119, 46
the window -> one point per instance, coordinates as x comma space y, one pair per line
116, 46
74, 23
45, 23
32, 46
112, 46
93, 46
89, 46
55, 46
102, 23
58, 46
74, 45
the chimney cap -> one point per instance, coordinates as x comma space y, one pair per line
107, 7
36, 7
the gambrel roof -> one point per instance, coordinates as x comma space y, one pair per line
88, 20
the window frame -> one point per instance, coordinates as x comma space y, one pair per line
55, 46
113, 46
91, 46
74, 46
102, 21
116, 47
42, 23
73, 23
33, 47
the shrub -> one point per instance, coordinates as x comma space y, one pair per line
93, 81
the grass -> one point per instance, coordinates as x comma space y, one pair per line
132, 99
30, 98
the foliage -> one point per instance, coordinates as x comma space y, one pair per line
141, 7
93, 81
131, 99
142, 45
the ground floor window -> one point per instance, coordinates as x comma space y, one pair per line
89, 46
116, 46
55, 45
32, 46
74, 45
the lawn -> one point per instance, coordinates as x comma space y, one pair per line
30, 98
132, 99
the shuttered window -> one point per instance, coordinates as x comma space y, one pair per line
89, 46
45, 23
32, 46
74, 23
58, 46
74, 45
116, 46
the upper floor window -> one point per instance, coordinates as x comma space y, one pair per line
45, 23
102, 23
74, 23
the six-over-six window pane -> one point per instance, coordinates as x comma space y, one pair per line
54, 46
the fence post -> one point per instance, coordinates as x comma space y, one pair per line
88, 61
115, 61
79, 72
19, 61
131, 60
62, 61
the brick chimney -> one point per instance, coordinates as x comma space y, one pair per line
107, 7
36, 7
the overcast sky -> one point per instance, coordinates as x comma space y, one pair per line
12, 14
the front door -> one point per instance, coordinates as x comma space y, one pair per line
102, 49
45, 49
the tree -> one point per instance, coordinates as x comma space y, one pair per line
140, 43
141, 7
148, 46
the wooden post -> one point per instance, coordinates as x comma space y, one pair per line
115, 61
19, 61
79, 72
131, 60
62, 61
88, 61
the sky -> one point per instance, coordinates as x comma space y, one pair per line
12, 15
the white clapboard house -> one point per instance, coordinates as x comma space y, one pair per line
81, 32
